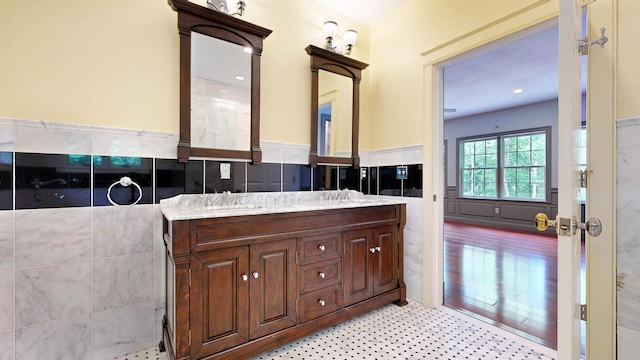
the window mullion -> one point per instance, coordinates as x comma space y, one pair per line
500, 178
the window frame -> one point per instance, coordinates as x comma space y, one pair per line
461, 168
500, 169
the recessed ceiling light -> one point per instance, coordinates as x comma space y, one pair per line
239, 77
518, 91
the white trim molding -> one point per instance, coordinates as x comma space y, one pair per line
397, 156
629, 121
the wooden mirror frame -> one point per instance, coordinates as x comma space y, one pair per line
193, 17
341, 65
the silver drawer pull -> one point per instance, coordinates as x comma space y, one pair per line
245, 277
321, 247
321, 302
255, 274
373, 250
322, 275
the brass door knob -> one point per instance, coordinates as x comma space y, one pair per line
542, 222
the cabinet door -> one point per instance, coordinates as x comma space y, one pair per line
273, 287
386, 259
219, 295
357, 264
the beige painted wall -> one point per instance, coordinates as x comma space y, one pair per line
427, 27
627, 59
115, 63
109, 63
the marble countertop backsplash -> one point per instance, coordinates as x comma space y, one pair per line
200, 206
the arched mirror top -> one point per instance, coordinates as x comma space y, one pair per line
219, 118
335, 107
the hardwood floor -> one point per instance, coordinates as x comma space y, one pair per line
504, 277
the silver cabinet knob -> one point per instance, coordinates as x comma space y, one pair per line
321, 247
373, 250
321, 302
245, 277
378, 248
255, 274
322, 275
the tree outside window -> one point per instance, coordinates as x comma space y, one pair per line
480, 168
525, 161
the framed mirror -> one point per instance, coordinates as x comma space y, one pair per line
335, 107
219, 84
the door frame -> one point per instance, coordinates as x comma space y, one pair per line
601, 292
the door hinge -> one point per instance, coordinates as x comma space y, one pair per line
583, 312
582, 177
435, 197
297, 304
189, 337
297, 257
189, 277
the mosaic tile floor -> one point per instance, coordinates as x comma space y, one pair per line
409, 332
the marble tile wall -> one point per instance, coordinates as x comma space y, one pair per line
628, 238
87, 282
413, 249
80, 282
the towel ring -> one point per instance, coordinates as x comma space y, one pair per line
124, 181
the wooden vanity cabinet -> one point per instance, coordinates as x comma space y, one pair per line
370, 262
238, 286
241, 293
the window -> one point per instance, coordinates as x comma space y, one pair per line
480, 168
507, 166
525, 162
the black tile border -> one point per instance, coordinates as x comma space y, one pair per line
160, 178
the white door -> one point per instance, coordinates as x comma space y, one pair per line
569, 118
600, 291
569, 111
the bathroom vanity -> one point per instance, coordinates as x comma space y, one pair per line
250, 272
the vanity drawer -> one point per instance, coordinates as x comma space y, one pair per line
320, 274
319, 247
320, 302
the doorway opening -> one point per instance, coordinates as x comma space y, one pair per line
500, 136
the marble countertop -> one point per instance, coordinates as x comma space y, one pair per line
201, 206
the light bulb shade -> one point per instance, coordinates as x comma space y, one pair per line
329, 29
350, 37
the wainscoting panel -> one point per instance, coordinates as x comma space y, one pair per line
524, 212
508, 214
474, 208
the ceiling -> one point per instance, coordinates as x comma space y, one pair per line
484, 80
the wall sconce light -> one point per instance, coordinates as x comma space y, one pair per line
329, 29
224, 7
